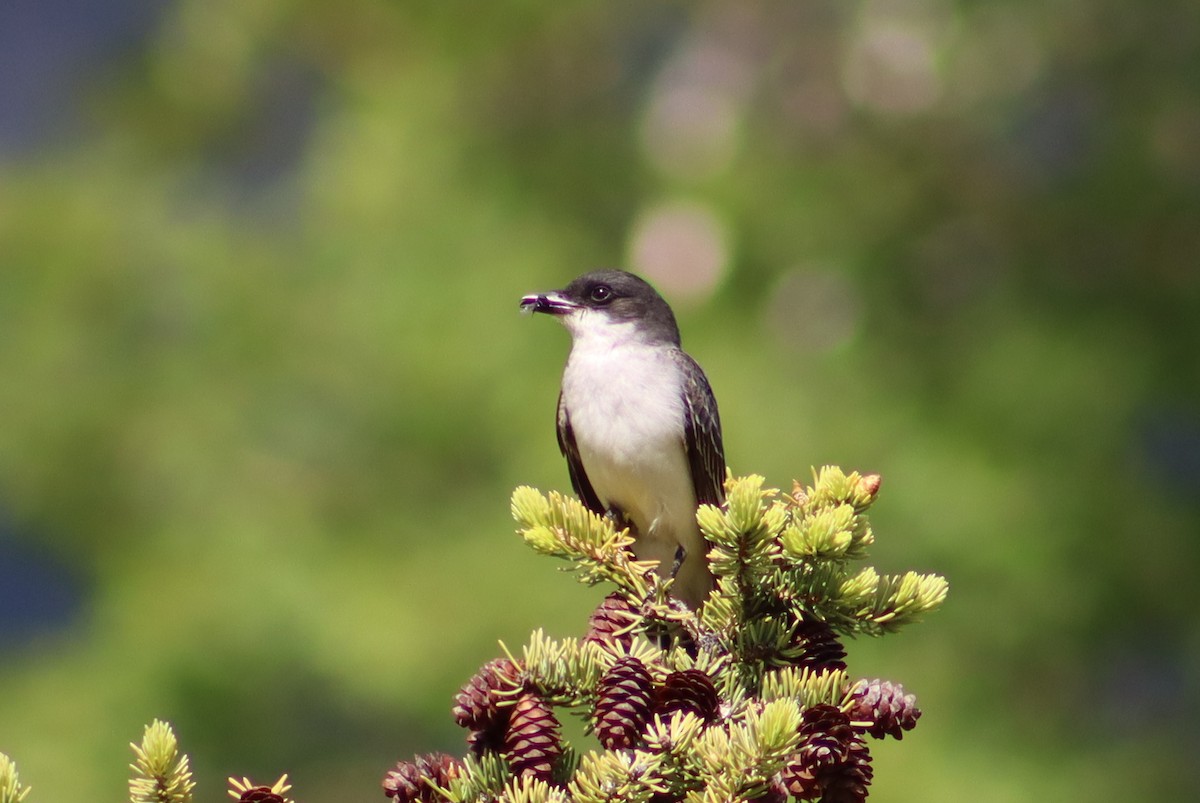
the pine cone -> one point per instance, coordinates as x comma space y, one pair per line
532, 744
612, 621
832, 763
476, 704
407, 782
689, 690
491, 738
818, 646
261, 794
887, 706
243, 790
623, 703
849, 783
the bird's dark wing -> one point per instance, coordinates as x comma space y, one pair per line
579, 481
702, 433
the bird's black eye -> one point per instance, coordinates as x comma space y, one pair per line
601, 293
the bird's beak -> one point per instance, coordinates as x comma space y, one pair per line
550, 303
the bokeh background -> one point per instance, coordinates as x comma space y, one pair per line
265, 391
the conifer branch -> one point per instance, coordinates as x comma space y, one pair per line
11, 790
563, 527
482, 777
808, 687
616, 775
563, 672
885, 603
751, 700
531, 790
737, 763
161, 774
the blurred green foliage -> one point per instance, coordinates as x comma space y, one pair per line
266, 392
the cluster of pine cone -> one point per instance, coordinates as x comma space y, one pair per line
504, 716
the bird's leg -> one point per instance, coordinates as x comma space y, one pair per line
661, 633
677, 564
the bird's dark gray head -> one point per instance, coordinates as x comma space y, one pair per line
609, 301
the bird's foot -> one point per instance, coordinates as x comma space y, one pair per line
677, 564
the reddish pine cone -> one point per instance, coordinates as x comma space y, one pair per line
612, 622
411, 780
825, 735
476, 704
623, 702
886, 705
532, 743
849, 784
832, 763
491, 738
689, 690
261, 794
817, 647
243, 790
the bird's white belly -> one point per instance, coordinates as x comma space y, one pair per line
629, 431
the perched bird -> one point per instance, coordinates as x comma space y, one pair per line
637, 421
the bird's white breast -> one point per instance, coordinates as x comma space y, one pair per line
625, 402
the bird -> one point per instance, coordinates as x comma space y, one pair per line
638, 422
